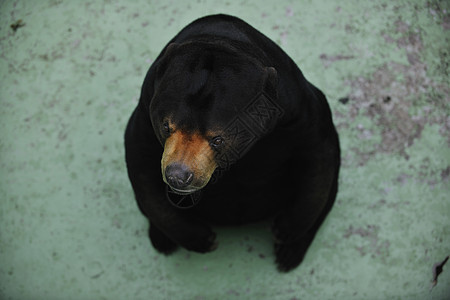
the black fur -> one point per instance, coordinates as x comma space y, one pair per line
281, 156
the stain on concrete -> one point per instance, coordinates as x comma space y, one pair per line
437, 270
399, 98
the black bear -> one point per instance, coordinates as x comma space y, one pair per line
228, 131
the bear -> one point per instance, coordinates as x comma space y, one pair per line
227, 131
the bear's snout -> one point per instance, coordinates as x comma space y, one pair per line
187, 162
178, 176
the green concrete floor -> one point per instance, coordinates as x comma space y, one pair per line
70, 77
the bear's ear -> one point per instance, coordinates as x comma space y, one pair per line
163, 59
170, 48
271, 82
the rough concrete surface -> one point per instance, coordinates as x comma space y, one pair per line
70, 75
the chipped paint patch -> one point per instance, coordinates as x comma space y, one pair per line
398, 99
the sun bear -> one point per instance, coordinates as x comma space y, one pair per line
228, 131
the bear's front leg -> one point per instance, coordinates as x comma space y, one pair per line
315, 181
169, 226
190, 235
160, 241
290, 255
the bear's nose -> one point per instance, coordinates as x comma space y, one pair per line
178, 175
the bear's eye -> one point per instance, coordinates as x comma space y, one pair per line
217, 142
166, 128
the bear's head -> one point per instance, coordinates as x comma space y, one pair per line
211, 103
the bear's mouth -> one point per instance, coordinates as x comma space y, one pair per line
183, 199
182, 192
